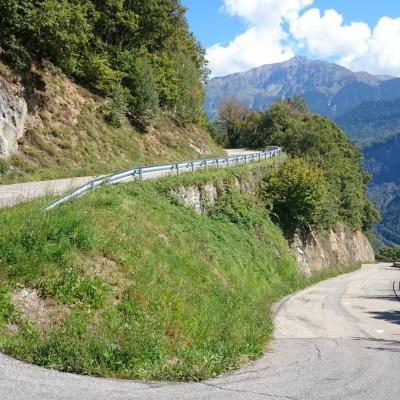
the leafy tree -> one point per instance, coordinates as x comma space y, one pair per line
388, 254
144, 103
118, 107
317, 140
90, 40
231, 121
297, 195
60, 30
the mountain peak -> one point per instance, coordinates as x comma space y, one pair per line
328, 88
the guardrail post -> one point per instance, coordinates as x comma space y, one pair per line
227, 161
140, 174
177, 169
192, 165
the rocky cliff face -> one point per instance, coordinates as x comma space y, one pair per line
338, 247
313, 251
13, 112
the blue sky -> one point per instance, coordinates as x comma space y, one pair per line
369, 45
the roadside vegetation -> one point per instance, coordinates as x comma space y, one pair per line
140, 53
388, 254
108, 84
127, 282
74, 138
325, 164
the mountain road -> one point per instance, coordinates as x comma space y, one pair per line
339, 339
13, 194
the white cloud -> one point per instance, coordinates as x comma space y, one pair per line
355, 46
253, 48
382, 55
265, 39
322, 35
326, 36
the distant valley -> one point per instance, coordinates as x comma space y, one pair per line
365, 106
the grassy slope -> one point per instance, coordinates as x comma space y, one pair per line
135, 285
68, 136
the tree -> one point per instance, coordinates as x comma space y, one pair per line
118, 107
297, 194
88, 39
144, 103
231, 120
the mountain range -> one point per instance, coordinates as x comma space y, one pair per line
329, 89
372, 121
365, 106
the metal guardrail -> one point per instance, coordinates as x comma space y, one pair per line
166, 169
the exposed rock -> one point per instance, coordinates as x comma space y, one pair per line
13, 112
190, 197
339, 247
313, 251
200, 198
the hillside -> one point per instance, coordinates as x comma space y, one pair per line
128, 282
383, 162
372, 121
329, 89
88, 87
375, 127
66, 133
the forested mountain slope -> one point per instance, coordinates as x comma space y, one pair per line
372, 121
383, 162
329, 89
105, 85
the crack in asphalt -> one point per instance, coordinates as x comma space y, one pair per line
277, 396
319, 355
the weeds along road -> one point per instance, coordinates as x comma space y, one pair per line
339, 339
21, 192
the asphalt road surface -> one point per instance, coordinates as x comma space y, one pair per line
21, 192
339, 339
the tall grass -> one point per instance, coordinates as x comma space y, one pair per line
139, 286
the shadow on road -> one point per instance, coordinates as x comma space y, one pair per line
392, 346
389, 316
377, 297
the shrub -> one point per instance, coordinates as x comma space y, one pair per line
144, 103
388, 254
118, 107
296, 193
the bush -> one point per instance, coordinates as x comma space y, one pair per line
296, 193
388, 254
144, 102
118, 107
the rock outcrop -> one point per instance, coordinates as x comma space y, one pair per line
314, 251
13, 113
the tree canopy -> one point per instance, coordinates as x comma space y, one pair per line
145, 45
320, 143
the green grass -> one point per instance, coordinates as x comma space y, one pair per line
138, 286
